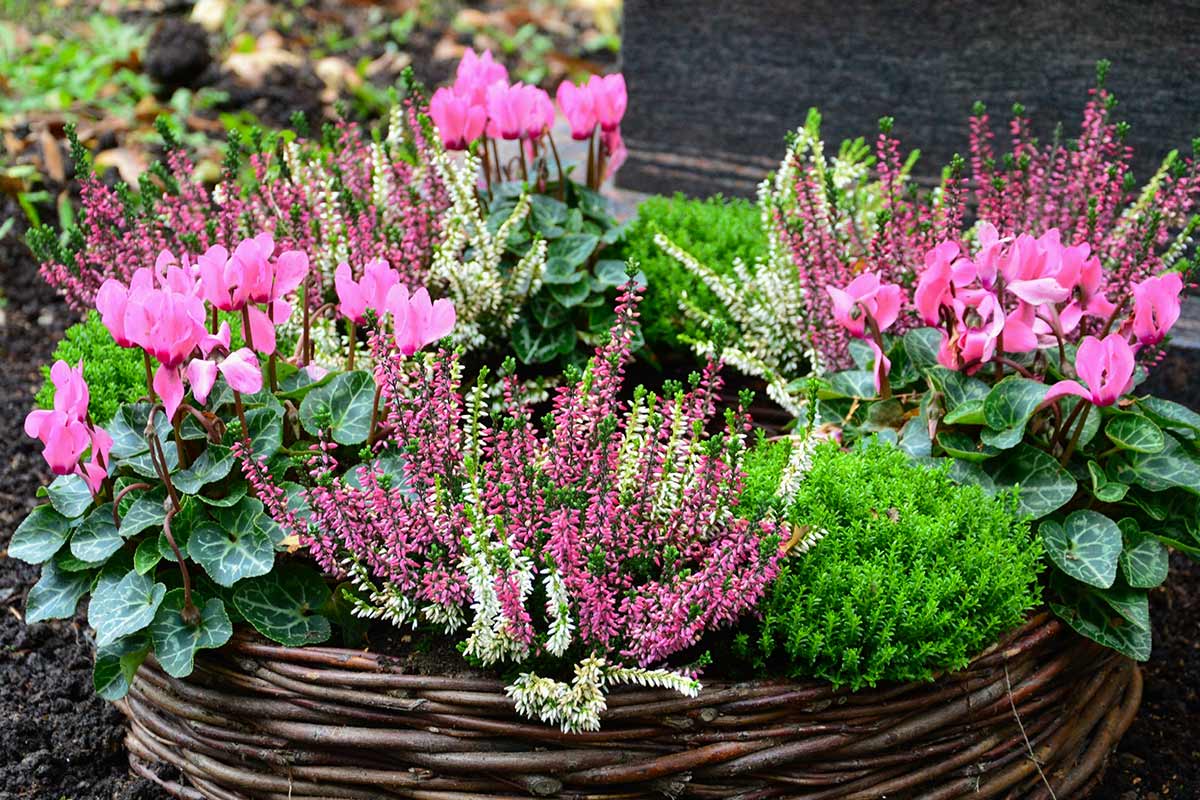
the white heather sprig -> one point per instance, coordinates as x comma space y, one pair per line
577, 706
487, 298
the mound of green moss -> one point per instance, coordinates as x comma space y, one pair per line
913, 573
716, 231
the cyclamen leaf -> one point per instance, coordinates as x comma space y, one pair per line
611, 272
1173, 467
147, 511
957, 387
128, 430
969, 412
233, 544
541, 346
346, 401
574, 248
70, 495
965, 447
1171, 415
1044, 486
1092, 616
1145, 562
558, 271
210, 466
96, 538
284, 605
125, 607
1008, 406
40, 535
147, 556
117, 663
570, 295
922, 345
1134, 432
176, 642
1086, 546
56, 594
266, 426
851, 383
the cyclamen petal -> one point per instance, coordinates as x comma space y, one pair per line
168, 384
65, 440
242, 372
262, 330
201, 375
352, 303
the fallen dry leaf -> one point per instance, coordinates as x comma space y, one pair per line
52, 157
130, 164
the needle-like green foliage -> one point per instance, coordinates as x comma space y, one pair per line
914, 574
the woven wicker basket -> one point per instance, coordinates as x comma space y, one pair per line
1043, 709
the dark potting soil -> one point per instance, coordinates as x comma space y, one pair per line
58, 740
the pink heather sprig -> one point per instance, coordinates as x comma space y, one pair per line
1083, 189
622, 510
342, 199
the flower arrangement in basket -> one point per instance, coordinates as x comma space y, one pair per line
1011, 348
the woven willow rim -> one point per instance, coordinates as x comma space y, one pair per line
1041, 710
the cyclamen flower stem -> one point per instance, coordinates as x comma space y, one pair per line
562, 179
496, 160
214, 321
591, 164
374, 415
305, 333
189, 614
159, 459
1070, 451
149, 376
1008, 362
1115, 316
247, 334
351, 335
241, 412
524, 166
1066, 425
885, 386
487, 166
176, 425
271, 373
133, 487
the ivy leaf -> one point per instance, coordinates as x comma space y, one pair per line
1091, 616
574, 248
233, 543
1134, 432
210, 466
1086, 546
283, 605
541, 346
117, 663
176, 642
125, 607
1044, 486
70, 495
1145, 562
1006, 409
96, 538
346, 402
128, 430
56, 594
147, 511
40, 535
922, 345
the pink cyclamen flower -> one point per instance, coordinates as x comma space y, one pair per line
458, 120
371, 292
418, 321
509, 109
65, 431
475, 74
541, 114
980, 323
240, 368
1105, 365
64, 439
615, 152
1156, 307
113, 301
1031, 269
608, 99
577, 107
943, 270
865, 296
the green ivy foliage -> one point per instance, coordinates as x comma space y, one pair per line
715, 231
114, 374
914, 575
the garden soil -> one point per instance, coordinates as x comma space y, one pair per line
58, 741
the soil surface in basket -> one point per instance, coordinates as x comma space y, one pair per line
58, 740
